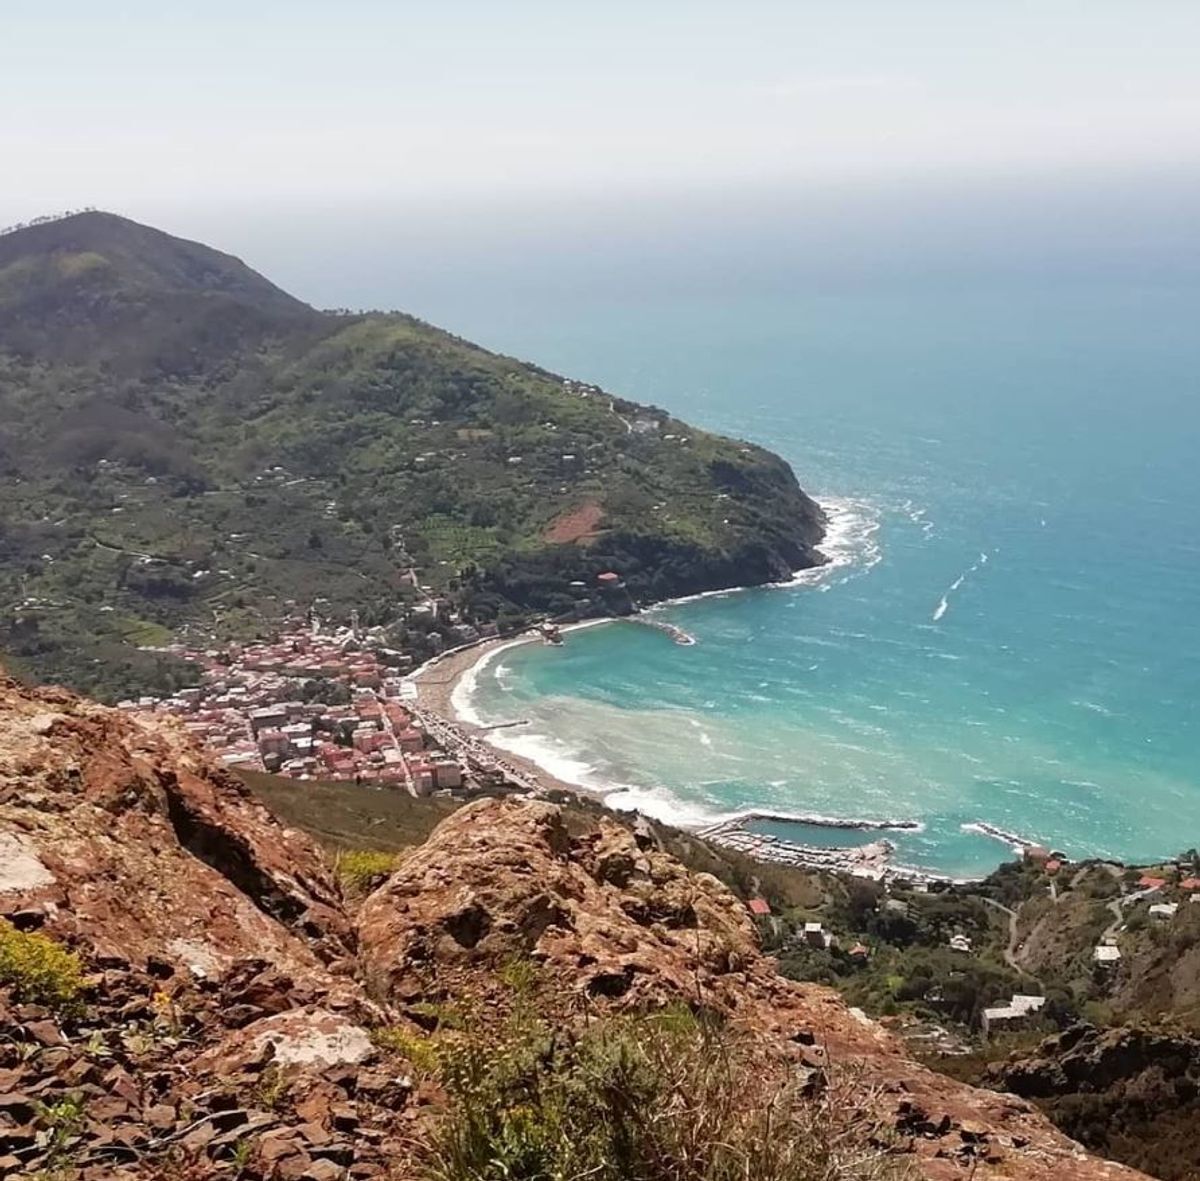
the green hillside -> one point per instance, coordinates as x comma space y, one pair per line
182, 443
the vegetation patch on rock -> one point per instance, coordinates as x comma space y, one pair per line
39, 970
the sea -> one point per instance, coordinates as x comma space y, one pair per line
1008, 627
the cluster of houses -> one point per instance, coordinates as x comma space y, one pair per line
311, 707
1106, 954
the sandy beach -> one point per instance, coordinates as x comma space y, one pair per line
435, 683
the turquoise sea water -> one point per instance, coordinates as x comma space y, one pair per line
1010, 631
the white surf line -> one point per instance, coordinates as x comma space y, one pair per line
944, 603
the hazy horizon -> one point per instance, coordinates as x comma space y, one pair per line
293, 134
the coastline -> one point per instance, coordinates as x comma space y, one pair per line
437, 680
848, 542
444, 683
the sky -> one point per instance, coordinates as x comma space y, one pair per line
262, 125
121, 103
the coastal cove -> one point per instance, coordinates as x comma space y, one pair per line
1005, 635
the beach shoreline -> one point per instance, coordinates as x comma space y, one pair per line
437, 679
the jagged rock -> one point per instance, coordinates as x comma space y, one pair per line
18, 1107
625, 946
167, 860
323, 1170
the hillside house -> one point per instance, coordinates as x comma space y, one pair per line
816, 936
1018, 1012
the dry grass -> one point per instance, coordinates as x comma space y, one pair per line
361, 870
657, 1098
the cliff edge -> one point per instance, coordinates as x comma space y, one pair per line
186, 990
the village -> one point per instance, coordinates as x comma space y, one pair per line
326, 705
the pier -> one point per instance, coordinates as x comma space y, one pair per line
1012, 839
813, 820
473, 752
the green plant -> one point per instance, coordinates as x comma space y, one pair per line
519, 974
240, 1157
639, 1099
63, 1120
420, 1050
272, 1088
361, 870
39, 970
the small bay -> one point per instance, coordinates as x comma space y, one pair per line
1009, 631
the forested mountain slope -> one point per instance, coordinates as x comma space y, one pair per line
183, 443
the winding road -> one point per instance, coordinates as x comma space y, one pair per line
1010, 951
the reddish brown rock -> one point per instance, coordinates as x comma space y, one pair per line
229, 999
625, 926
129, 841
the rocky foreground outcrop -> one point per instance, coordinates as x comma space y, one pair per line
1127, 1090
227, 1020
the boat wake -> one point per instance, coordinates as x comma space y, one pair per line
944, 603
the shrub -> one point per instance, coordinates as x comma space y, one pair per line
361, 870
421, 1051
519, 975
641, 1099
39, 970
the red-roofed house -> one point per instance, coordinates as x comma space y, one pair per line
1146, 882
411, 740
759, 906
608, 578
1053, 865
1190, 884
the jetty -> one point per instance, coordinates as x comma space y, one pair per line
872, 859
1012, 839
814, 820
673, 630
473, 752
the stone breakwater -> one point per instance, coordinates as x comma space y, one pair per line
871, 859
673, 630
814, 820
1012, 839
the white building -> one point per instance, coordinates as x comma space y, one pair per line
1015, 1013
816, 936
